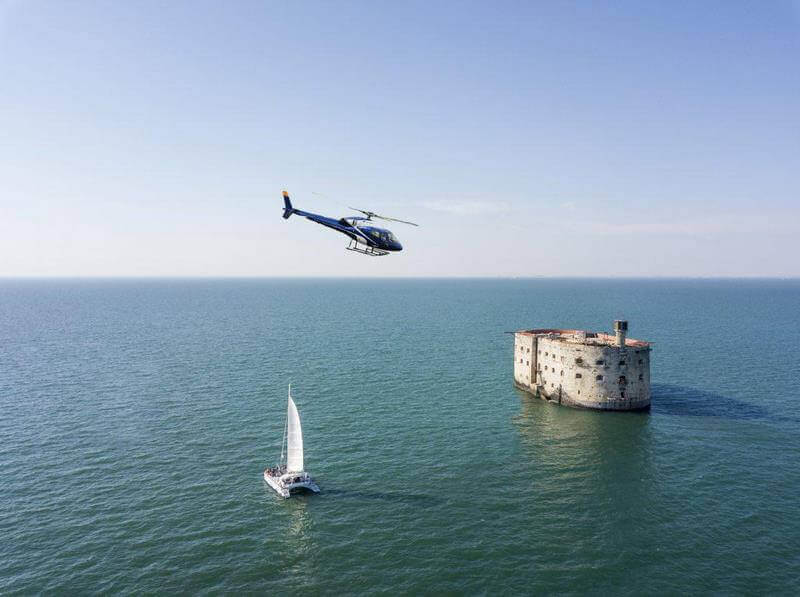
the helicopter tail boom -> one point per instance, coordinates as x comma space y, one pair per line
288, 210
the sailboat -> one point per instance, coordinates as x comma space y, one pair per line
289, 474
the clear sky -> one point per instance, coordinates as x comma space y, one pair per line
555, 139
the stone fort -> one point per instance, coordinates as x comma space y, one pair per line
584, 369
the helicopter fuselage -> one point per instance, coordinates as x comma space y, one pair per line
370, 236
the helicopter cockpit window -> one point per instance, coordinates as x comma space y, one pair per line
375, 233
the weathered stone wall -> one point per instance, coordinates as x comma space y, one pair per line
524, 359
584, 375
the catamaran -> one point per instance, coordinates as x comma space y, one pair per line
289, 475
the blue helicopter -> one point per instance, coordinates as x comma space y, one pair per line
364, 239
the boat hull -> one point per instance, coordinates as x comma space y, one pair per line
285, 489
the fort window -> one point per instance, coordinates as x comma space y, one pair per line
599, 378
640, 361
622, 363
527, 362
520, 361
578, 361
545, 353
621, 379
578, 376
562, 373
641, 377
598, 362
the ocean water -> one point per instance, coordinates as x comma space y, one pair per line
137, 416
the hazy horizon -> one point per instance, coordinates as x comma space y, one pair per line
625, 141
346, 277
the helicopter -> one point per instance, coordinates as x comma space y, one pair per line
364, 239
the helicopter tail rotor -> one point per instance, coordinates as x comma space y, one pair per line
288, 210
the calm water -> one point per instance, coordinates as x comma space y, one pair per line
136, 418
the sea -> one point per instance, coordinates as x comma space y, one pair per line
137, 417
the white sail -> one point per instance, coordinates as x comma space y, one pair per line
294, 439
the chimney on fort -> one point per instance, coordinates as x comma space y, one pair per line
621, 328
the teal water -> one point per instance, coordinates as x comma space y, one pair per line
137, 417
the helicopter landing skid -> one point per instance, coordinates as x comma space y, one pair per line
371, 251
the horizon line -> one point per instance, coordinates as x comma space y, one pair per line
267, 277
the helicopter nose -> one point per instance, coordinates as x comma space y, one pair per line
398, 247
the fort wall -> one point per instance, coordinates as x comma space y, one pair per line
584, 369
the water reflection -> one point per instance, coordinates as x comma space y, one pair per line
587, 456
299, 519
290, 526
588, 433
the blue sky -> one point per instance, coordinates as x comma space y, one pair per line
527, 139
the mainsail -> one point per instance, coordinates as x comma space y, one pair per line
294, 439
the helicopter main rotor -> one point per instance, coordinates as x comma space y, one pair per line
372, 214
